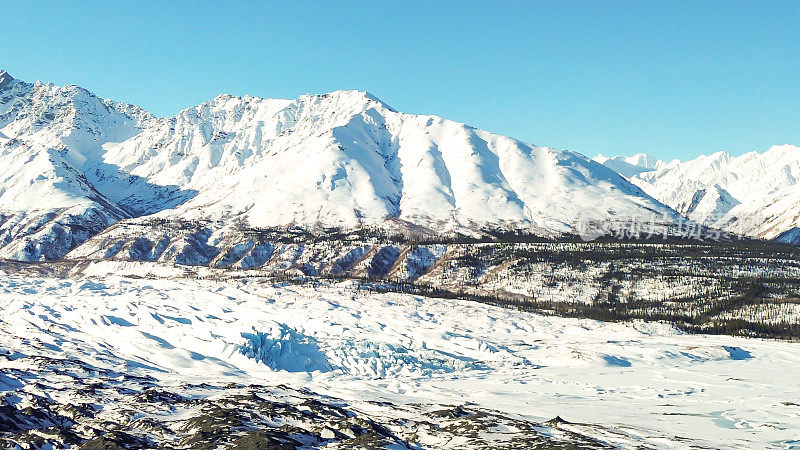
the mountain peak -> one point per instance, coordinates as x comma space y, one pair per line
359, 99
351, 93
629, 166
355, 96
785, 150
5, 78
601, 158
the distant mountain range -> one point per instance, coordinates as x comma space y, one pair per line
629, 166
756, 194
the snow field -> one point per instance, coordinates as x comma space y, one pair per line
640, 383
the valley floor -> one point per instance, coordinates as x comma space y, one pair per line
192, 363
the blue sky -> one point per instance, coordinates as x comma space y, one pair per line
672, 78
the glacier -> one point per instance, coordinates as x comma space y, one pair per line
161, 359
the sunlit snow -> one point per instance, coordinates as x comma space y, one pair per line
626, 384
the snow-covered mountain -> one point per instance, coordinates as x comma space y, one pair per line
629, 166
76, 164
347, 159
50, 142
756, 194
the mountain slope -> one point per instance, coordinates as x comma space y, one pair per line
346, 159
48, 134
77, 164
756, 194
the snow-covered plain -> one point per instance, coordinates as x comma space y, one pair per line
638, 384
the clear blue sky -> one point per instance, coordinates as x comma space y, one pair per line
668, 77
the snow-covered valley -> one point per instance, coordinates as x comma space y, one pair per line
152, 359
327, 271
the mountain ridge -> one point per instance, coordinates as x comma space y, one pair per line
754, 194
343, 159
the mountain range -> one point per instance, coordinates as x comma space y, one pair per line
77, 164
80, 168
755, 194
